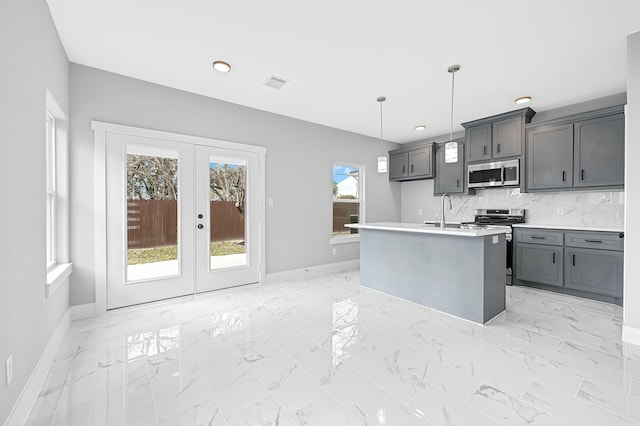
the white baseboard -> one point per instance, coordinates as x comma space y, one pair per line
631, 334
83, 311
20, 412
313, 270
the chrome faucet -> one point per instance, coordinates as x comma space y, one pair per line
442, 220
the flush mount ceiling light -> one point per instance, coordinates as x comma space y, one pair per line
221, 66
523, 100
421, 127
382, 159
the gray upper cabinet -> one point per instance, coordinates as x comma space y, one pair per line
398, 165
599, 152
550, 157
507, 137
499, 136
449, 176
416, 162
576, 152
479, 140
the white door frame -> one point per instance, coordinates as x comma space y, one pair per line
100, 130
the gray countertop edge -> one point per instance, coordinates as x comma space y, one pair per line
570, 227
425, 229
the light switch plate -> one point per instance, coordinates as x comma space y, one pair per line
495, 239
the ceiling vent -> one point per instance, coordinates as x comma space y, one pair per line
275, 82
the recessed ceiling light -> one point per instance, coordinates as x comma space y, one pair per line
421, 127
523, 100
221, 66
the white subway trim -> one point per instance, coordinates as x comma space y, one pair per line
87, 310
20, 411
314, 270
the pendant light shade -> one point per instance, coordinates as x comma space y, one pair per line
383, 162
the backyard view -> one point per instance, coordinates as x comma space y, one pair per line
346, 198
152, 212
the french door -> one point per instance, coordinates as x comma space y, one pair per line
181, 218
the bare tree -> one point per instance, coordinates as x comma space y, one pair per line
227, 183
152, 178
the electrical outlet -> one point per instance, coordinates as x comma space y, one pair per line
419, 212
270, 202
335, 251
8, 369
560, 210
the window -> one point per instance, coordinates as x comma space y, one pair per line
57, 194
348, 201
50, 132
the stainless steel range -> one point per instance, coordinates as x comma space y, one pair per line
499, 219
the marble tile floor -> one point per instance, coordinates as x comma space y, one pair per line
326, 351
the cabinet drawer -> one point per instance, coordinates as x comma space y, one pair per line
538, 236
595, 240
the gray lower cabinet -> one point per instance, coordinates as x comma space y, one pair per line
539, 263
596, 271
416, 162
449, 176
581, 263
577, 152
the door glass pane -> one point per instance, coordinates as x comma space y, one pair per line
152, 214
227, 190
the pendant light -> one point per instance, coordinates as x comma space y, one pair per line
451, 147
382, 160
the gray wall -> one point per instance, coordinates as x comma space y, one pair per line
298, 170
32, 60
632, 189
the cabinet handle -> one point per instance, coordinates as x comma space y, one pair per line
484, 150
564, 176
581, 174
592, 241
498, 148
457, 183
554, 258
403, 169
535, 237
412, 168
574, 260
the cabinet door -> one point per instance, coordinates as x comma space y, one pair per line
596, 271
398, 165
449, 176
420, 162
550, 157
539, 264
479, 142
507, 137
599, 152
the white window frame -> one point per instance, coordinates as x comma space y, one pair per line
57, 195
352, 238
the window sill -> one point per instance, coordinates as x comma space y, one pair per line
56, 276
345, 239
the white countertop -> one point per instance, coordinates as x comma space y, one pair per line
570, 228
426, 229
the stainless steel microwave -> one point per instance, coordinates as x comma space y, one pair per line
499, 173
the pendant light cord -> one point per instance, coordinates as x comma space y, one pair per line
381, 137
453, 83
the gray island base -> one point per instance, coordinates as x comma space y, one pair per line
460, 272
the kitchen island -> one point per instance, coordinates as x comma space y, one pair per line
457, 271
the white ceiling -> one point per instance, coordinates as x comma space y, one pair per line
341, 55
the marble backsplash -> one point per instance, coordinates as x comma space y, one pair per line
577, 208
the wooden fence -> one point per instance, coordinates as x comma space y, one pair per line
153, 223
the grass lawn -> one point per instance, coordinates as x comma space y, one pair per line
160, 254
